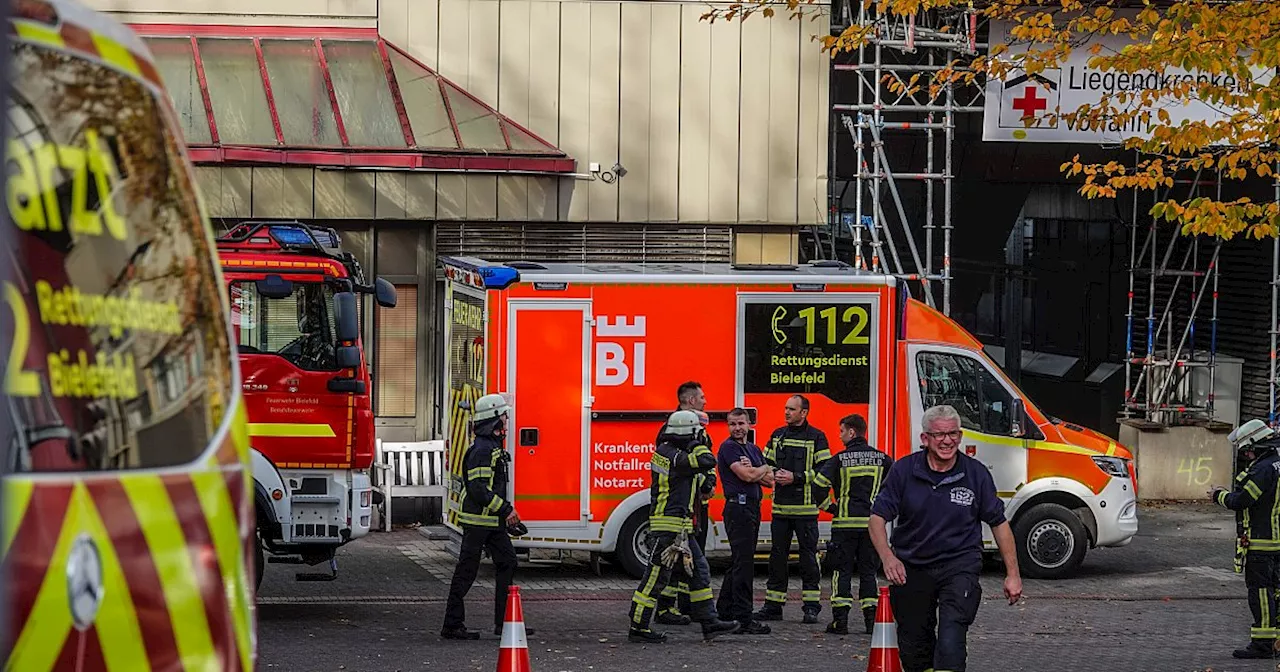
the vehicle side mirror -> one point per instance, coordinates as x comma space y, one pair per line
348, 357
274, 287
1016, 423
385, 293
346, 315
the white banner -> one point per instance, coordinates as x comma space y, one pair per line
1065, 89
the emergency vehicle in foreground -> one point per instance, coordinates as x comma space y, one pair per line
591, 355
127, 517
296, 322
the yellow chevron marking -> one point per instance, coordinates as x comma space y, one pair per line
219, 514
38, 33
17, 495
115, 54
291, 429
172, 557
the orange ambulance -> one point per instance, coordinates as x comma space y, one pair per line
590, 356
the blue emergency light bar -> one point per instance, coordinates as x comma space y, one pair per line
291, 236
494, 276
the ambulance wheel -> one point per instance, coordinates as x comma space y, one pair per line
1051, 541
633, 544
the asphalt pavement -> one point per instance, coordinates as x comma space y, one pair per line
1167, 602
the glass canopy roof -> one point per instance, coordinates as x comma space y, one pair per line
344, 97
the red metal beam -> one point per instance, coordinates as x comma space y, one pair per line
285, 32
448, 107
204, 91
266, 85
380, 159
333, 95
395, 94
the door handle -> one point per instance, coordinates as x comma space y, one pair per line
528, 437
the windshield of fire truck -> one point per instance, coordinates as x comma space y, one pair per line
113, 331
299, 327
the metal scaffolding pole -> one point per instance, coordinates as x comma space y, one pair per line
899, 48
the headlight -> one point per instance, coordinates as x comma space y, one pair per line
1112, 466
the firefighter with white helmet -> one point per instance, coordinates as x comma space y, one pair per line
487, 517
678, 460
1254, 499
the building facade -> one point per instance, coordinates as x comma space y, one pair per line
536, 129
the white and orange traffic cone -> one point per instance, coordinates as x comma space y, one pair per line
884, 638
514, 654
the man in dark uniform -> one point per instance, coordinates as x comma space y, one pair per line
854, 476
1258, 547
743, 472
485, 517
939, 498
797, 452
676, 460
673, 606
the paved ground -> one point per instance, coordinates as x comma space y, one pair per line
1167, 602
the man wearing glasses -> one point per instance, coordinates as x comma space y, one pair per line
939, 499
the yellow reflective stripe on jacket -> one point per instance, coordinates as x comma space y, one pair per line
849, 523
663, 523
794, 509
1253, 489
477, 519
479, 472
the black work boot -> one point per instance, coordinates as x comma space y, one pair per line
869, 616
753, 628
768, 613
716, 627
672, 617
1256, 649
459, 632
839, 626
645, 636
810, 616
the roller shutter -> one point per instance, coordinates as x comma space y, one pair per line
558, 242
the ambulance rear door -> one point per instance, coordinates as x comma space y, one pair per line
549, 377
466, 322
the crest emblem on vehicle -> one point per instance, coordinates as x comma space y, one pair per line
84, 581
971, 450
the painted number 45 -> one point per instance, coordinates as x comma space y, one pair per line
1199, 471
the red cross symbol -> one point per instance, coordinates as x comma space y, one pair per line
1030, 102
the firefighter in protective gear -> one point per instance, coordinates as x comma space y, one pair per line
1257, 507
678, 458
485, 517
854, 476
797, 452
674, 604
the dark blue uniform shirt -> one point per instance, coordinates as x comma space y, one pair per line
938, 514
731, 451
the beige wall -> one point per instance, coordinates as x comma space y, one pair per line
346, 13
721, 122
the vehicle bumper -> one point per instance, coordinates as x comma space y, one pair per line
1116, 511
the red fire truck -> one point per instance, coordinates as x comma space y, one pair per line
296, 321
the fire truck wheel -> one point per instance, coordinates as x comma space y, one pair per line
633, 544
259, 562
1051, 541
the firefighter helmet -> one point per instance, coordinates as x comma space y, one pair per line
682, 423
1250, 433
490, 406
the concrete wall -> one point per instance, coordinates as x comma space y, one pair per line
1179, 462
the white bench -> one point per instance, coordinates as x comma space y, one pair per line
412, 469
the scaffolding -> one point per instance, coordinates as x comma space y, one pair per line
1171, 382
900, 48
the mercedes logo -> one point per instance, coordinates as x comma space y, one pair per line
84, 581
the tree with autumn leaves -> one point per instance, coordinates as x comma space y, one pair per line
1232, 50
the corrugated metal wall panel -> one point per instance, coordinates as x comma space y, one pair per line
585, 242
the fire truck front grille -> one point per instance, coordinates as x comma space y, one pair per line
310, 531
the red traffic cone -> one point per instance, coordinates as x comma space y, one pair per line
884, 638
514, 654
